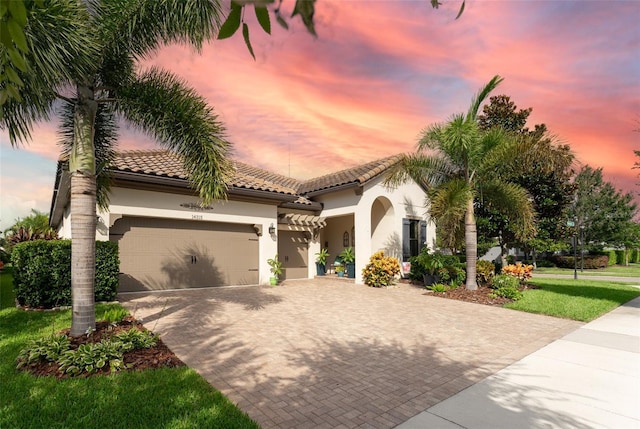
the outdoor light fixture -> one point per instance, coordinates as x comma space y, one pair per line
272, 229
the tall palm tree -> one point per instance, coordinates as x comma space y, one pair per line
82, 57
450, 162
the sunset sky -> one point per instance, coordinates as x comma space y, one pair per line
382, 70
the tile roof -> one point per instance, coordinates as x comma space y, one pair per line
163, 163
168, 164
356, 175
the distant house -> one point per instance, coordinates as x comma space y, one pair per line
167, 240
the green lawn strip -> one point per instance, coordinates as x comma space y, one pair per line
7, 297
633, 270
582, 300
165, 398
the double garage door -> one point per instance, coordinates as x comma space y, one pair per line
158, 254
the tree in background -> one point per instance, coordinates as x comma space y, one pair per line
538, 163
603, 213
455, 163
83, 55
32, 227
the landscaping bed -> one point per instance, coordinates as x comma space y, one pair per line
157, 356
482, 295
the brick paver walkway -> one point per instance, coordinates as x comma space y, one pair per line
331, 354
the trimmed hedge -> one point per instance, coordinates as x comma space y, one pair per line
42, 272
590, 261
613, 259
635, 256
620, 257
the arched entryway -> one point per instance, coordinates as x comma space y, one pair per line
383, 235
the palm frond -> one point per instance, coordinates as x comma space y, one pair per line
141, 27
105, 145
448, 205
164, 107
428, 171
459, 140
525, 152
60, 50
479, 98
515, 203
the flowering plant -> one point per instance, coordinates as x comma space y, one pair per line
520, 271
381, 270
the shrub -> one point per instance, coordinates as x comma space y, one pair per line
635, 256
381, 270
519, 271
613, 259
545, 263
485, 270
438, 287
590, 261
620, 257
505, 281
42, 272
49, 349
114, 314
87, 358
507, 292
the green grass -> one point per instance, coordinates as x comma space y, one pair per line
166, 398
582, 300
633, 270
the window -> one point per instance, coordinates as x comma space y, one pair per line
414, 237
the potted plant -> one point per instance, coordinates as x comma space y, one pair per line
276, 270
349, 258
321, 262
340, 270
431, 263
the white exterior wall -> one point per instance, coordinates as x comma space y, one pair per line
132, 202
407, 201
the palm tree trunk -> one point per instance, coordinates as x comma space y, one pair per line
83, 214
471, 243
83, 252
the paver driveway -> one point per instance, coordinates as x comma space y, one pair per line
332, 354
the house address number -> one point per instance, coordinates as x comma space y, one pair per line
196, 217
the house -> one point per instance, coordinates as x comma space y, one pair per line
168, 240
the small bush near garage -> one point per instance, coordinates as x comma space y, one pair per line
42, 272
381, 270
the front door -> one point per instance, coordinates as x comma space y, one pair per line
293, 252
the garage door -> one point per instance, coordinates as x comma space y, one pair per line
157, 254
293, 250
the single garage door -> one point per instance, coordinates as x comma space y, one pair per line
157, 254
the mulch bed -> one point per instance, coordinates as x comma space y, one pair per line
478, 296
158, 356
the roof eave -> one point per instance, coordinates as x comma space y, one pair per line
180, 183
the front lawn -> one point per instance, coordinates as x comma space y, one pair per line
582, 300
632, 270
164, 398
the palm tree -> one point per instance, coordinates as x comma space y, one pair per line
82, 56
451, 163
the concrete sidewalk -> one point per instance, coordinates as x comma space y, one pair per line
589, 378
